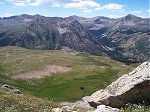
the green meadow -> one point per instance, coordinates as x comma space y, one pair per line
88, 73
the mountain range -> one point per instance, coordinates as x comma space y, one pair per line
125, 39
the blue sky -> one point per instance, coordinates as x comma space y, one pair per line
85, 8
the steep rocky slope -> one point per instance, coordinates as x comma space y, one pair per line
38, 32
124, 39
129, 88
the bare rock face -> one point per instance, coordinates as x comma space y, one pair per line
11, 89
129, 88
103, 108
56, 110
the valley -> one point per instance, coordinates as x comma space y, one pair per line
61, 63
87, 71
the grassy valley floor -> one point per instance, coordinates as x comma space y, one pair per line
88, 73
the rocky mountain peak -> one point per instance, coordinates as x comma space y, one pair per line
131, 17
26, 16
74, 16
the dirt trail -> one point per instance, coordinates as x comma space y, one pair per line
47, 71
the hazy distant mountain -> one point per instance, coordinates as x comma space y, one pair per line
124, 39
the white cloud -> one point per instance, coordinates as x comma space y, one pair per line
136, 12
99, 8
8, 15
28, 2
143, 16
86, 5
148, 10
111, 6
81, 4
38, 2
19, 2
120, 10
56, 5
87, 11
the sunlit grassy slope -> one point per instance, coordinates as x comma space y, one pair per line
10, 102
89, 73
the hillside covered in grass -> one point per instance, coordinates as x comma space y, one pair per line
88, 73
10, 102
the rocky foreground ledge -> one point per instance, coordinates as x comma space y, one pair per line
129, 88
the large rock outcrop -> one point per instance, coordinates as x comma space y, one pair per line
129, 88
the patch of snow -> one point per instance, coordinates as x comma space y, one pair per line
27, 20
62, 30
